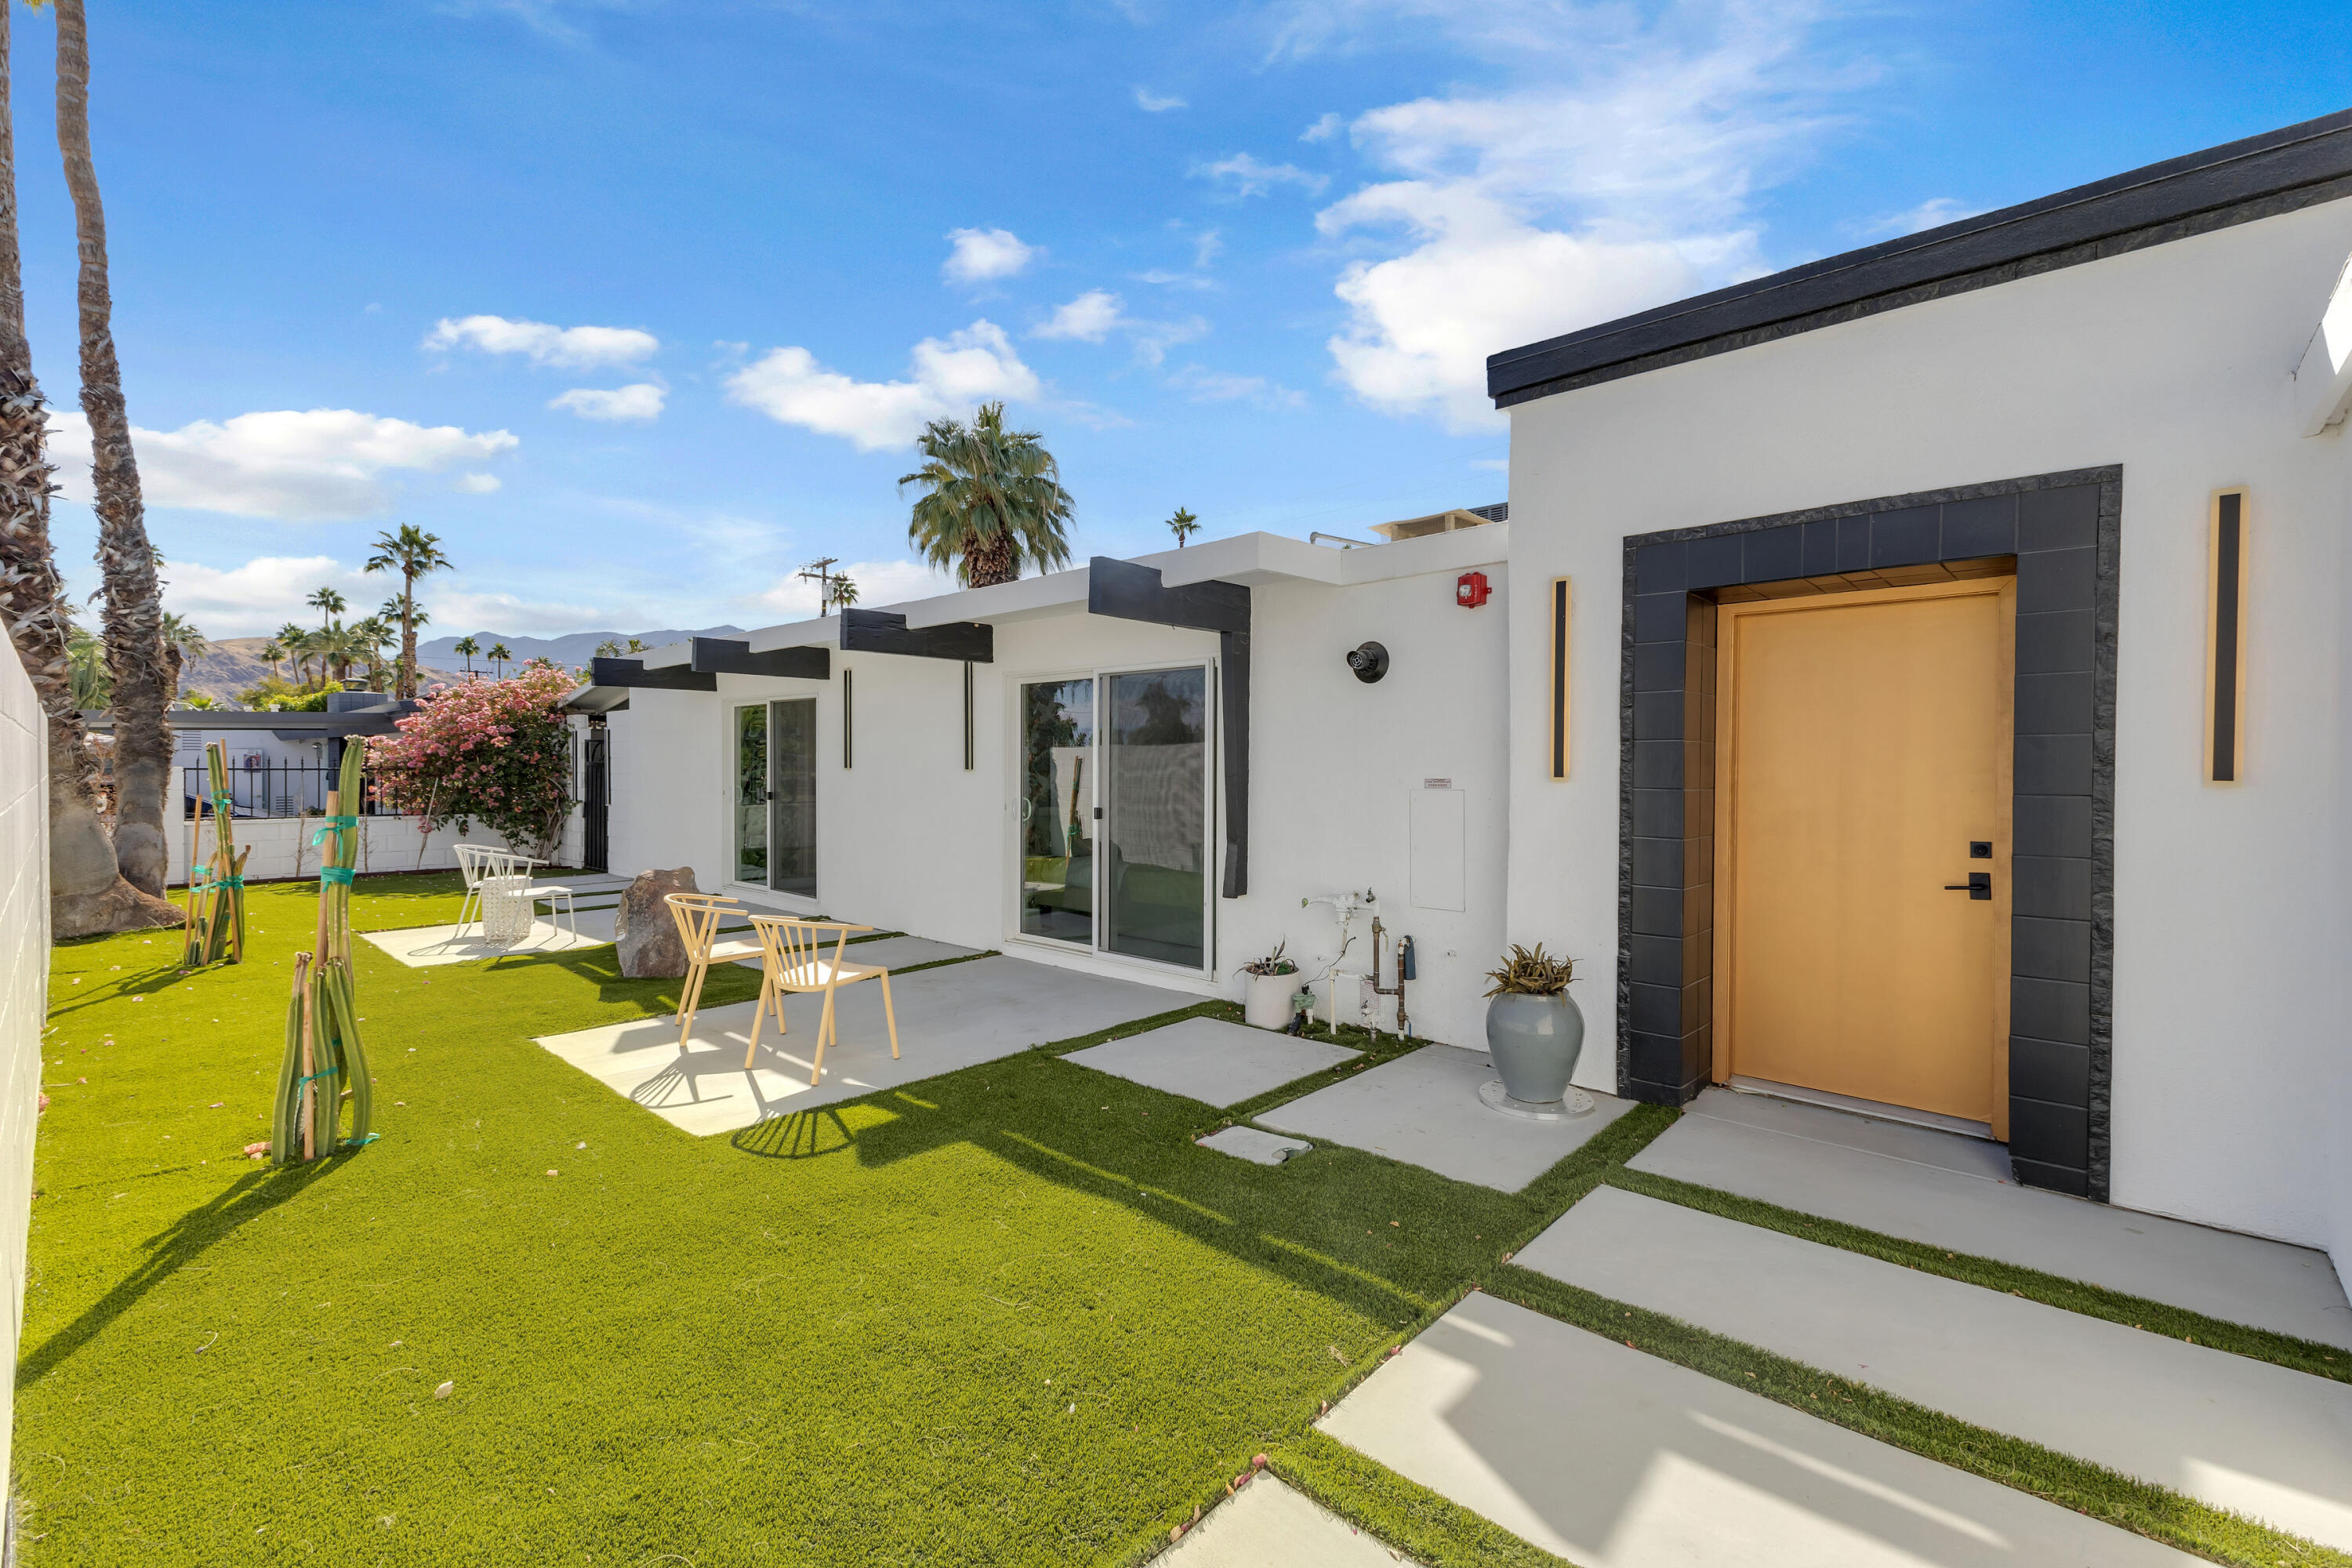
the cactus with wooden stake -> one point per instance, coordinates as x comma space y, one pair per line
216, 918
325, 1062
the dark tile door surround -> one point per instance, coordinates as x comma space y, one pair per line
2063, 531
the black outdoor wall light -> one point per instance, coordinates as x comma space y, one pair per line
1369, 661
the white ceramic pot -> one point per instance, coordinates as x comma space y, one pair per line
1267, 1003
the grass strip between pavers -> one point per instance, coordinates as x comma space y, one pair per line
1431, 1529
2009, 1279
2088, 1488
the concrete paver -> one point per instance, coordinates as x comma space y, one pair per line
1269, 1525
2269, 1443
1211, 1060
1258, 1148
1423, 1109
426, 947
1614, 1458
1930, 1188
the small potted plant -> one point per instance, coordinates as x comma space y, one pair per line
1534, 1031
1267, 1005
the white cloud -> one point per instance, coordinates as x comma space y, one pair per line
257, 598
457, 609
946, 379
1932, 213
1204, 386
477, 484
1248, 176
578, 348
316, 465
1089, 318
1624, 177
639, 400
1323, 130
1153, 103
878, 582
985, 255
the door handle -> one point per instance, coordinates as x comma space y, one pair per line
1978, 886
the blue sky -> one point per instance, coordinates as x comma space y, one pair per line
636, 302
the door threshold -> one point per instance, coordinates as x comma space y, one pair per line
1870, 1108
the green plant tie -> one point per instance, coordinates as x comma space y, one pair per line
199, 877
228, 881
333, 825
322, 1072
337, 875
222, 805
361, 1142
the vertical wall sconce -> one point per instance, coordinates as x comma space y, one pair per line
967, 715
2225, 638
848, 716
1559, 678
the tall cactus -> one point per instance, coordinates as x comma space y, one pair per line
324, 1061
215, 918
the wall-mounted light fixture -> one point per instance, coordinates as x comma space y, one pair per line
1558, 662
2225, 638
1369, 661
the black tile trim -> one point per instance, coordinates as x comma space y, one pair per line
2261, 176
2048, 531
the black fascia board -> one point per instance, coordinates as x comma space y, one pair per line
885, 631
2162, 201
1129, 592
631, 672
309, 726
722, 656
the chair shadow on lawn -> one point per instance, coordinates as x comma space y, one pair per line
174, 1248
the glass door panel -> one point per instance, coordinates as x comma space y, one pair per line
1057, 828
752, 794
1156, 827
792, 817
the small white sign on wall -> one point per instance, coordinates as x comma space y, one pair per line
1436, 832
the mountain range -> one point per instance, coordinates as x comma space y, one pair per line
569, 651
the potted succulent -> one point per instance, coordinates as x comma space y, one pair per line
1268, 1004
1534, 1031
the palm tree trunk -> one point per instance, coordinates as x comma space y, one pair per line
988, 557
407, 682
134, 597
87, 892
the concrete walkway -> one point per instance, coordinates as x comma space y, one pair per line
2269, 1443
1423, 1109
1951, 1191
1212, 1061
1267, 1525
1612, 1458
951, 1017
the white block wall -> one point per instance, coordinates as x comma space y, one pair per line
281, 847
24, 980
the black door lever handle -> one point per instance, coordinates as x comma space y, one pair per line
1978, 886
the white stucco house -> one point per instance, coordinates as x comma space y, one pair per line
1916, 680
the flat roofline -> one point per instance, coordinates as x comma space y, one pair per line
2259, 176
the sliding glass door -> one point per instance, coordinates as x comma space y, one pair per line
776, 796
1114, 814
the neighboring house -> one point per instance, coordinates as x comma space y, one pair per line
1917, 678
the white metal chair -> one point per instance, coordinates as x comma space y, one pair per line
473, 863
794, 961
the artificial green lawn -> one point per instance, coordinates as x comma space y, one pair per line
1010, 1315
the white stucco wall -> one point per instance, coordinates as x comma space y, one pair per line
281, 847
910, 840
23, 979
2230, 1103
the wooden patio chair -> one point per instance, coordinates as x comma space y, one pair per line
793, 961
699, 916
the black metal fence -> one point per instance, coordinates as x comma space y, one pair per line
274, 789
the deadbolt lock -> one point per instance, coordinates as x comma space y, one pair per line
1979, 850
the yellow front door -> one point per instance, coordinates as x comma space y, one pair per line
1866, 750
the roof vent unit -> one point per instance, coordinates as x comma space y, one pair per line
1440, 523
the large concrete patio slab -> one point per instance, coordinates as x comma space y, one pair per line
426, 947
2243, 1435
1612, 1458
1267, 1525
1212, 1061
1423, 1109
1919, 1186
951, 1017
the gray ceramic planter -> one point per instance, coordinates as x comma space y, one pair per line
1535, 1041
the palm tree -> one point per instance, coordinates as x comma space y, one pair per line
134, 593
844, 593
993, 501
93, 683
183, 645
369, 638
499, 657
608, 649
328, 603
467, 648
1184, 525
413, 553
88, 893
273, 655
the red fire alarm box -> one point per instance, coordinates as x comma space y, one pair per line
1470, 590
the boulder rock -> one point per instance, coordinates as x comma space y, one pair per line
644, 929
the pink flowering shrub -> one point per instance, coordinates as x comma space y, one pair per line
493, 752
